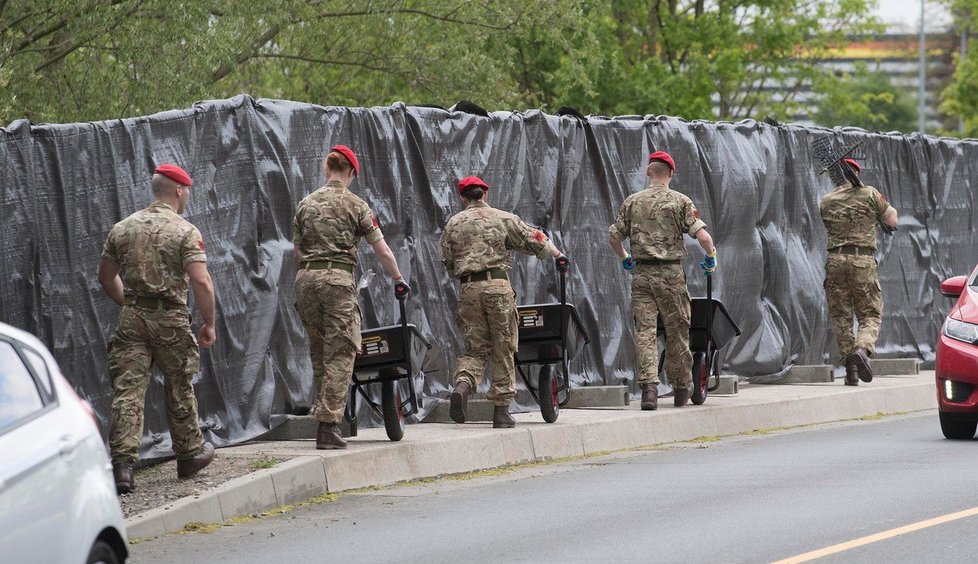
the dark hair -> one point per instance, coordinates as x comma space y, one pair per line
473, 193
336, 162
851, 175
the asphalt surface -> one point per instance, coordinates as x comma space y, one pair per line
746, 499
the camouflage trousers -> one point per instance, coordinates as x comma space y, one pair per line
144, 337
852, 289
661, 291
331, 316
487, 319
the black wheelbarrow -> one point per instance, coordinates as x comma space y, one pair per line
389, 354
549, 334
710, 329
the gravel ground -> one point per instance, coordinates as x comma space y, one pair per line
158, 485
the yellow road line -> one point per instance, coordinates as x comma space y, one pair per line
842, 547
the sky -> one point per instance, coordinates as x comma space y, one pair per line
905, 14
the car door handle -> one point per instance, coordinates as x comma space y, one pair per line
67, 444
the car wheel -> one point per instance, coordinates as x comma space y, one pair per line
102, 553
958, 429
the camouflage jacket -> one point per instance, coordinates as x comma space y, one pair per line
154, 246
481, 237
329, 223
850, 215
655, 220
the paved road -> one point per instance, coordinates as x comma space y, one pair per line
749, 499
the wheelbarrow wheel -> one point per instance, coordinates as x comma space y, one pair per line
547, 390
701, 378
390, 400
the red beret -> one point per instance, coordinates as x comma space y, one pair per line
174, 173
664, 157
853, 164
470, 181
350, 156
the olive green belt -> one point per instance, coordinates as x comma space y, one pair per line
852, 250
491, 274
326, 265
656, 261
155, 303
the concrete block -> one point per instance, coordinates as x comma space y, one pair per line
728, 385
808, 374
456, 455
895, 366
351, 469
475, 410
598, 396
251, 493
206, 509
736, 419
298, 427
299, 479
555, 440
516, 447
685, 423
146, 525
616, 434
912, 397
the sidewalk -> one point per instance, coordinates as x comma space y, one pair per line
435, 449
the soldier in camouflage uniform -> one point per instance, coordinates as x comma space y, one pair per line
476, 247
327, 227
852, 288
655, 220
158, 254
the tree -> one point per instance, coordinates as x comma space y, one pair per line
95, 59
959, 99
866, 99
745, 58
76, 60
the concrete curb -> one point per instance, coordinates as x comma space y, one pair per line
448, 449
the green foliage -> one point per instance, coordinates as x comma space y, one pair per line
866, 99
960, 97
63, 60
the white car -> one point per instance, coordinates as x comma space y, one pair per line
57, 497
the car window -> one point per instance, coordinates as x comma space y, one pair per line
19, 396
40, 369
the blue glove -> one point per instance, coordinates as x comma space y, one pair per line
709, 263
628, 263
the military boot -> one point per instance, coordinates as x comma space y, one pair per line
501, 419
863, 367
124, 482
329, 437
681, 397
650, 397
851, 378
459, 401
189, 468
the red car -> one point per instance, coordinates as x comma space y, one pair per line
956, 368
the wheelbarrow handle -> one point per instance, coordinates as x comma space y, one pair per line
400, 304
709, 312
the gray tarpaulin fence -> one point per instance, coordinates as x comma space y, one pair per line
64, 186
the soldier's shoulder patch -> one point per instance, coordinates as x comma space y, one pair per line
200, 244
